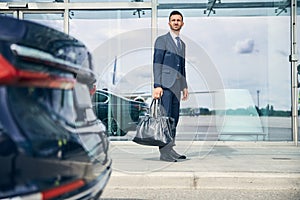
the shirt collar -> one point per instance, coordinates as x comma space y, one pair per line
174, 35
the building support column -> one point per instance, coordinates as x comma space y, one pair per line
294, 60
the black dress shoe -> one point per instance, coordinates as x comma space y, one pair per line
176, 155
167, 157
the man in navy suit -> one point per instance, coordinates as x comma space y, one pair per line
170, 78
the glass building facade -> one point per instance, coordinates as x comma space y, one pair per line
240, 58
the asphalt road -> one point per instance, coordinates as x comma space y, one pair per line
199, 194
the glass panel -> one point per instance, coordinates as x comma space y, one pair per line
120, 42
103, 25
245, 43
248, 51
8, 14
52, 20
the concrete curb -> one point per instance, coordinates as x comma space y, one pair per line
205, 180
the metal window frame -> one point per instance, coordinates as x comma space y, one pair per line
294, 75
65, 7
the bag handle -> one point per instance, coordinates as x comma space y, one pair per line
155, 108
152, 108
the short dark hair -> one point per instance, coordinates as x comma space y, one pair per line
175, 12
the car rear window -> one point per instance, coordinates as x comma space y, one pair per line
58, 102
47, 116
38, 112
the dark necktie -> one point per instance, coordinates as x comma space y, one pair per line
178, 42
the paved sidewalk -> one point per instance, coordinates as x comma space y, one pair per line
210, 165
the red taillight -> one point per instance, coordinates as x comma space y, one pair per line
55, 192
7, 71
10, 75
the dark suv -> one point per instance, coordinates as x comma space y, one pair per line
119, 114
52, 146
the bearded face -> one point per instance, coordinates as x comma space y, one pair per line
175, 22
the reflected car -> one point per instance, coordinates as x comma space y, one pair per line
119, 114
52, 146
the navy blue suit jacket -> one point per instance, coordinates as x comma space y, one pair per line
168, 63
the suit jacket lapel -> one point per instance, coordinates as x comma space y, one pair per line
175, 48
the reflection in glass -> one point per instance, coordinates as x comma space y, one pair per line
251, 54
239, 114
52, 20
102, 25
120, 42
6, 14
248, 46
